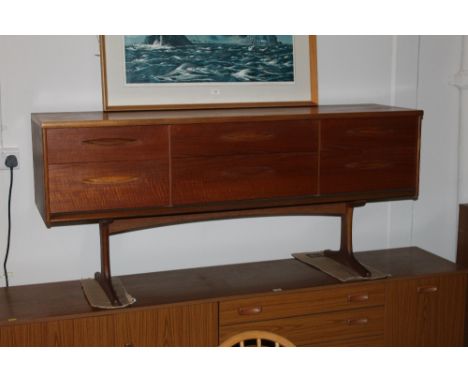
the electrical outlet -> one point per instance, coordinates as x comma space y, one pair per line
5, 151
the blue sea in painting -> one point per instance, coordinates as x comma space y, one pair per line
217, 59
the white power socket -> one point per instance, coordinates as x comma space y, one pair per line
4, 152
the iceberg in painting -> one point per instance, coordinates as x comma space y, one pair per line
164, 59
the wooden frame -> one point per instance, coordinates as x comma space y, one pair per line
112, 78
345, 254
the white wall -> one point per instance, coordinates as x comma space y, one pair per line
436, 212
58, 73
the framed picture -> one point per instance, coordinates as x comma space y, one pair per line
163, 72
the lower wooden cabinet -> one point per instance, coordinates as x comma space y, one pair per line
422, 304
427, 311
184, 325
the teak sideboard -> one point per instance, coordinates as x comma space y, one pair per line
135, 170
94, 166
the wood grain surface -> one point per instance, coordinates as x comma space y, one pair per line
108, 185
253, 157
369, 154
427, 311
188, 325
234, 138
173, 117
421, 304
359, 327
107, 144
243, 177
225, 282
301, 303
462, 251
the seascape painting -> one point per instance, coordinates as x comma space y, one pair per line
183, 59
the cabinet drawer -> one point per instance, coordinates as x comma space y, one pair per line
198, 180
297, 304
377, 133
244, 138
360, 327
108, 185
369, 155
74, 145
369, 171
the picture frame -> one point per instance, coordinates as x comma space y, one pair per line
123, 88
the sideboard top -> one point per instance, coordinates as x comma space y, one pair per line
126, 118
52, 300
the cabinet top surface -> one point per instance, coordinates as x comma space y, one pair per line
31, 302
96, 118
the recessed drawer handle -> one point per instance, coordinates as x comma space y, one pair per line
247, 171
250, 310
247, 137
110, 180
369, 165
428, 289
357, 321
370, 132
358, 297
109, 141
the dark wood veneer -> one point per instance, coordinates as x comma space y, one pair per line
223, 159
100, 167
108, 186
389, 159
145, 118
462, 245
462, 251
237, 138
220, 179
122, 144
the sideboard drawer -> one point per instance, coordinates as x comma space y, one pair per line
359, 327
360, 155
215, 179
361, 133
77, 145
296, 304
233, 138
369, 171
108, 185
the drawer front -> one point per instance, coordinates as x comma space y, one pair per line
360, 327
369, 155
108, 185
244, 138
216, 179
298, 304
378, 133
75, 145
